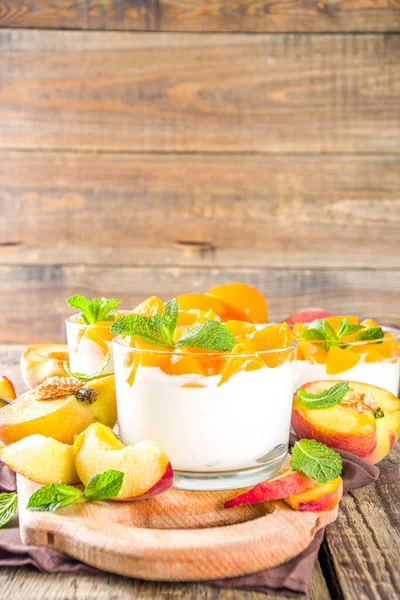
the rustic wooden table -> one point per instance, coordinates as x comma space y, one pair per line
359, 558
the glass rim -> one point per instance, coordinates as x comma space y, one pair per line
386, 329
117, 341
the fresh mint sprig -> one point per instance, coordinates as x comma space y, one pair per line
325, 399
93, 311
56, 495
373, 333
160, 329
88, 377
316, 460
321, 332
8, 507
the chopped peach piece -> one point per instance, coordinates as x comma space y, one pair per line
248, 359
91, 335
240, 327
389, 348
149, 307
373, 356
369, 323
102, 329
298, 328
313, 352
340, 360
202, 302
273, 337
195, 315
245, 303
182, 365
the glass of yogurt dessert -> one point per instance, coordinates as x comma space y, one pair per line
222, 417
340, 347
88, 334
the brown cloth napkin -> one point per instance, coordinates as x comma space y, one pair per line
292, 578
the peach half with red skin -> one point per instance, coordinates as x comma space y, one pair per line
343, 427
146, 467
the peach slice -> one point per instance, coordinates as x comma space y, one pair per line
202, 302
285, 484
146, 467
340, 360
42, 361
195, 315
7, 390
344, 427
323, 496
41, 459
335, 320
244, 302
53, 409
306, 315
149, 307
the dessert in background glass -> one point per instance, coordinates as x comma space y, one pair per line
344, 349
223, 418
88, 334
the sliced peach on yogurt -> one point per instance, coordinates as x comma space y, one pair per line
92, 342
202, 302
244, 302
244, 358
340, 360
149, 307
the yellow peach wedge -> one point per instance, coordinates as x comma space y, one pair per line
41, 459
147, 470
7, 391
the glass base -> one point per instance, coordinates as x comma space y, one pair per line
230, 480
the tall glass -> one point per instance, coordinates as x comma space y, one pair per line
223, 419
88, 346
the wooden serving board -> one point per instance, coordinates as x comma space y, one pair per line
177, 536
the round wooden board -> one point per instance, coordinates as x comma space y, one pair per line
177, 536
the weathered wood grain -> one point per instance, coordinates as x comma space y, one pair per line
362, 547
200, 92
142, 210
34, 309
28, 583
203, 15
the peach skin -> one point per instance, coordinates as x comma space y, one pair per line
323, 496
147, 470
306, 315
285, 484
366, 422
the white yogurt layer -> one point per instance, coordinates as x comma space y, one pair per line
384, 374
85, 356
214, 428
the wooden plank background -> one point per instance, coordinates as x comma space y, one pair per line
184, 143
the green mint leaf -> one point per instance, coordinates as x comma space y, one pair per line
319, 329
373, 333
54, 496
93, 311
378, 413
209, 335
316, 460
346, 328
83, 376
170, 318
104, 485
150, 329
8, 507
326, 398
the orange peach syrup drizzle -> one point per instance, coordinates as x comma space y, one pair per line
249, 341
339, 360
